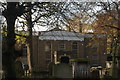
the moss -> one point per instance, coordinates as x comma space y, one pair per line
57, 62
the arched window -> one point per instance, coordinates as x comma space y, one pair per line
74, 46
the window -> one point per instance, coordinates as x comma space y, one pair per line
62, 46
48, 46
95, 57
74, 46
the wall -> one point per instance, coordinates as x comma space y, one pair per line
42, 58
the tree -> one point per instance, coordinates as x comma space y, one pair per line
105, 18
12, 11
108, 21
75, 25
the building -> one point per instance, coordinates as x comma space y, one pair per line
49, 46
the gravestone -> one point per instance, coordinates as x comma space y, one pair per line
63, 69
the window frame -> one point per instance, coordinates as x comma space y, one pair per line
74, 46
61, 46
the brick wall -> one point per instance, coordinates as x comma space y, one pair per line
42, 58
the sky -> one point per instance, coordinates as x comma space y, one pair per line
36, 27
58, 0
41, 28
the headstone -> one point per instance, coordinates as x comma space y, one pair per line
63, 69
19, 68
95, 74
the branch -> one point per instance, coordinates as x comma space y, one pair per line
112, 27
21, 35
24, 9
3, 5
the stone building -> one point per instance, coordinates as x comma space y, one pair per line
49, 46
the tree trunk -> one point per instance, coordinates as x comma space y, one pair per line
28, 57
116, 50
9, 55
118, 44
80, 29
30, 52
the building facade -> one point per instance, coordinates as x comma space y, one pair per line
49, 46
